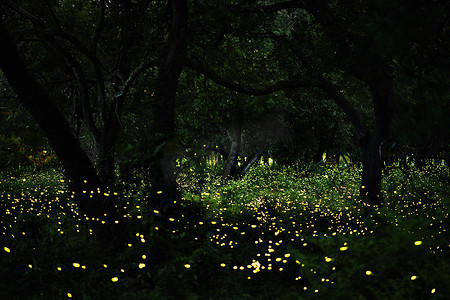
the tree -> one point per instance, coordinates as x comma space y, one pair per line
83, 179
96, 59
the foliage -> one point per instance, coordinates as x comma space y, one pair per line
279, 232
14, 153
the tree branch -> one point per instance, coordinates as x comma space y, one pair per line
320, 82
271, 8
324, 84
280, 85
129, 81
332, 91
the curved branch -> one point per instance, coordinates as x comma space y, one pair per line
271, 8
324, 84
320, 82
129, 81
280, 85
342, 103
83, 90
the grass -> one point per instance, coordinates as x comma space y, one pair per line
277, 233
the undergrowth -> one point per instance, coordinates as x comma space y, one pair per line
276, 233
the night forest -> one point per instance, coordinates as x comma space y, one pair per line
254, 149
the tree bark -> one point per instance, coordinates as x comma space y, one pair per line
372, 169
382, 98
164, 187
106, 162
235, 135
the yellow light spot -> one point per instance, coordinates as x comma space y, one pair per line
58, 268
368, 273
30, 266
156, 211
414, 277
6, 249
417, 243
76, 265
187, 266
141, 265
433, 291
343, 248
328, 259
159, 192
106, 194
114, 279
223, 265
287, 255
69, 295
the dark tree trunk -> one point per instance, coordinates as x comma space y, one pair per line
105, 163
79, 169
372, 170
235, 135
173, 52
318, 157
383, 97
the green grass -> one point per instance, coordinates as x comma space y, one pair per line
277, 233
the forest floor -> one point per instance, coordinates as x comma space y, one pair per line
277, 233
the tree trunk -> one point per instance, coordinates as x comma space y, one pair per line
164, 187
318, 157
105, 163
383, 97
372, 170
235, 135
